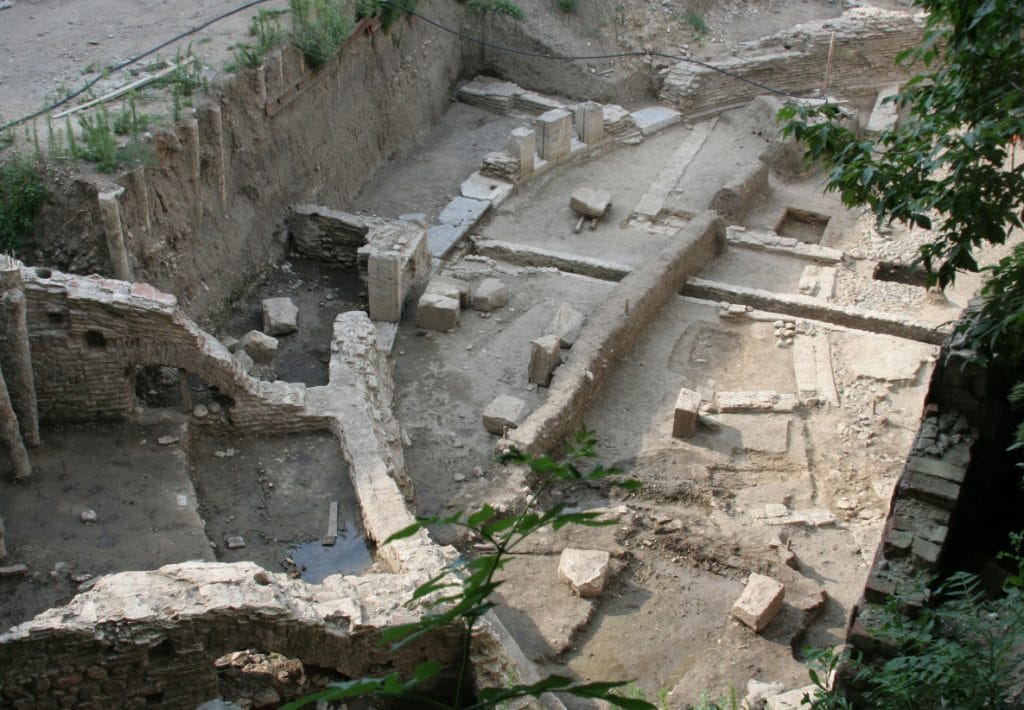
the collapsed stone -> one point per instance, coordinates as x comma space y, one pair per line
586, 571
490, 295
590, 202
760, 601
280, 316
451, 287
436, 312
687, 411
567, 324
545, 356
259, 346
504, 412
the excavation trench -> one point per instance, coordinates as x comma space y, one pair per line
810, 376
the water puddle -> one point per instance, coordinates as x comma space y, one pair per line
351, 554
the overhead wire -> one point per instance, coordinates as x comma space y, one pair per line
409, 11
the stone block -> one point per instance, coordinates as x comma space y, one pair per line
491, 294
490, 189
654, 118
586, 571
243, 360
259, 346
545, 356
504, 412
684, 419
932, 489
589, 120
590, 202
760, 602
451, 287
554, 132
937, 467
566, 324
384, 285
435, 312
522, 145
280, 316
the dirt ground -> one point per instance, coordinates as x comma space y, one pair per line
707, 515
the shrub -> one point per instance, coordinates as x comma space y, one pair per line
567, 5
319, 28
22, 192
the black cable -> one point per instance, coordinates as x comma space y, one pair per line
121, 65
572, 58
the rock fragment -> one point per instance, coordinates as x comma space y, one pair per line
280, 316
586, 571
760, 602
504, 412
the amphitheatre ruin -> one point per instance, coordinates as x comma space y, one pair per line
330, 297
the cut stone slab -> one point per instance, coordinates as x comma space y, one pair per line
554, 134
590, 202
885, 113
259, 346
586, 571
456, 219
236, 542
480, 187
790, 700
760, 602
566, 324
884, 357
765, 401
451, 288
490, 295
504, 412
687, 409
436, 312
545, 356
654, 118
279, 316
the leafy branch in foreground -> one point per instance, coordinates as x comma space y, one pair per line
461, 594
951, 165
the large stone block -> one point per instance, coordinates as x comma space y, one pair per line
504, 412
451, 287
280, 316
760, 602
567, 324
589, 119
687, 410
586, 571
522, 145
545, 356
435, 312
259, 346
491, 294
554, 132
590, 202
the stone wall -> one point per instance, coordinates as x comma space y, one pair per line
613, 331
208, 215
867, 40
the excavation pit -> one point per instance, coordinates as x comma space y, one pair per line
803, 225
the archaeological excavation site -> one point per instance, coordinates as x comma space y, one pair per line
310, 300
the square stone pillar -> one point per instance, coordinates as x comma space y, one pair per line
554, 131
589, 120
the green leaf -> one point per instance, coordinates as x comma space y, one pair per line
407, 531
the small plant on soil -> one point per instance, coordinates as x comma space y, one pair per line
129, 121
697, 24
267, 33
22, 192
319, 28
461, 594
566, 5
101, 146
498, 7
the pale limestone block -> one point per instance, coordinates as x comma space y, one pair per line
545, 356
451, 287
491, 294
760, 602
259, 346
554, 132
590, 202
504, 412
435, 312
280, 316
589, 119
567, 324
522, 145
687, 409
586, 571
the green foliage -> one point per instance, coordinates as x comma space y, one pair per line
729, 701
963, 653
566, 5
129, 121
459, 595
99, 145
267, 31
498, 7
22, 192
951, 164
319, 28
697, 24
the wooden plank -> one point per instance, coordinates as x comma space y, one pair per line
332, 525
141, 81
